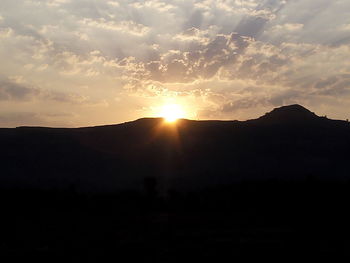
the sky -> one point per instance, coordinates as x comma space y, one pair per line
72, 63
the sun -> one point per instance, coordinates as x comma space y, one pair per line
172, 112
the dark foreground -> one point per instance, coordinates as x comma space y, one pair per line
274, 220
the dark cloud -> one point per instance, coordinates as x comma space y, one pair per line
337, 85
340, 40
14, 91
252, 25
195, 20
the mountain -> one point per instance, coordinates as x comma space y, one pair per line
289, 143
291, 113
277, 186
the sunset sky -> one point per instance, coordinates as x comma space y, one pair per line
73, 63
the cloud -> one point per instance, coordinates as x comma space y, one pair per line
253, 24
203, 62
229, 58
345, 27
334, 85
15, 91
288, 27
244, 103
126, 27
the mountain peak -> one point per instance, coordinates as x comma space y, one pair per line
294, 108
290, 113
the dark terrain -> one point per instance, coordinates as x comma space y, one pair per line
200, 191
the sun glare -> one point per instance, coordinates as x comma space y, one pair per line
172, 112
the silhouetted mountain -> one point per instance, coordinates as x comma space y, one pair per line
207, 191
288, 143
291, 113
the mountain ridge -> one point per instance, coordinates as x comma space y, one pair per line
284, 113
186, 155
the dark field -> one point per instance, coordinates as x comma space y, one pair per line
249, 221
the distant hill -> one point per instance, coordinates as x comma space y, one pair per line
291, 113
289, 143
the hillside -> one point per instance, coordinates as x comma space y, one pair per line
288, 143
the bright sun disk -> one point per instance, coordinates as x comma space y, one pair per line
172, 112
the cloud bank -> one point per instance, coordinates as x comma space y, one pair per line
86, 62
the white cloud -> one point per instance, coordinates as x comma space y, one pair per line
113, 3
56, 3
345, 27
5, 32
288, 27
128, 27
